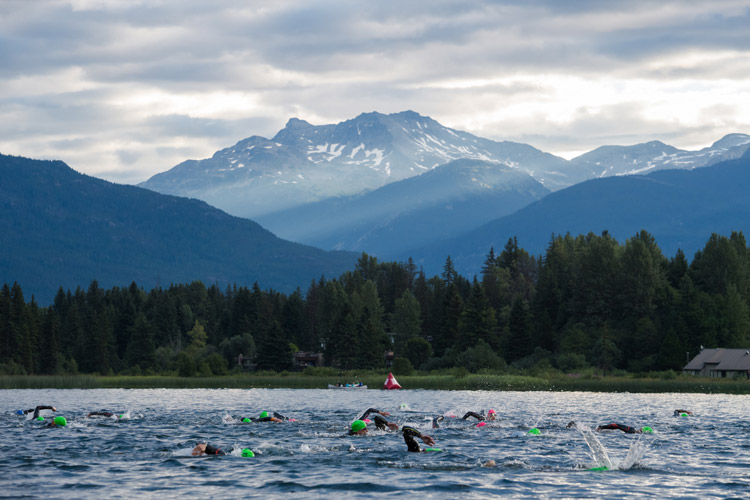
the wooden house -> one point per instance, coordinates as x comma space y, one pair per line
720, 363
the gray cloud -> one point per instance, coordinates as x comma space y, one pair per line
126, 89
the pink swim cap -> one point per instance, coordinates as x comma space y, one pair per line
491, 412
367, 420
481, 424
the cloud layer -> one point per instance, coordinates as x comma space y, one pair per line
124, 89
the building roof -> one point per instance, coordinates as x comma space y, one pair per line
723, 359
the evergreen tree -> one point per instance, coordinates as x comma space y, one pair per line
406, 321
520, 341
140, 349
274, 352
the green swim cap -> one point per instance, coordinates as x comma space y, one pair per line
120, 416
647, 430
60, 421
683, 414
432, 449
246, 420
247, 452
599, 469
535, 431
41, 419
358, 425
263, 414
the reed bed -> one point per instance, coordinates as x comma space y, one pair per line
487, 382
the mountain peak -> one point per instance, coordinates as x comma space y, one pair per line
296, 124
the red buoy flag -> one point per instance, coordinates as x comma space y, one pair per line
391, 383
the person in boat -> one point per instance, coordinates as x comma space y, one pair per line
36, 411
410, 433
490, 415
624, 428
378, 418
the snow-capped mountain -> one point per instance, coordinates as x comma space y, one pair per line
304, 163
607, 161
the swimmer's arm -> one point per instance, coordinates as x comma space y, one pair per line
472, 414
384, 425
40, 408
411, 432
373, 410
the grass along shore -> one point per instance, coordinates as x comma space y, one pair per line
485, 382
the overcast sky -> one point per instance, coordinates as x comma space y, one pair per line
124, 89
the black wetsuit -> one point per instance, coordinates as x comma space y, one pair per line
618, 427
380, 422
409, 434
268, 419
102, 414
212, 450
473, 414
37, 410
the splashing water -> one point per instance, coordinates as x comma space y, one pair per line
597, 450
600, 455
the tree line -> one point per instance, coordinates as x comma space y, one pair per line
589, 301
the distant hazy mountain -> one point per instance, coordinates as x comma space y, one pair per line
679, 208
607, 161
305, 163
62, 228
440, 203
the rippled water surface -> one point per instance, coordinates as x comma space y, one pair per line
147, 453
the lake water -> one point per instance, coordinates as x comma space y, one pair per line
147, 455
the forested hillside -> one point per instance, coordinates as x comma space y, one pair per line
589, 301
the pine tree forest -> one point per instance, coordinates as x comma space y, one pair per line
588, 302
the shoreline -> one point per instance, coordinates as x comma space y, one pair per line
700, 385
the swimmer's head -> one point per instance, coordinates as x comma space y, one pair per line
358, 426
41, 419
647, 430
264, 414
491, 414
247, 452
535, 431
683, 414
19, 412
60, 421
246, 420
481, 424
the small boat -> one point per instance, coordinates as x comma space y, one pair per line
347, 386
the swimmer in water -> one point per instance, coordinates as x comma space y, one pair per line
379, 420
481, 418
58, 422
624, 428
410, 433
265, 417
36, 411
206, 449
107, 414
680, 413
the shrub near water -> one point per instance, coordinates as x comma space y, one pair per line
453, 379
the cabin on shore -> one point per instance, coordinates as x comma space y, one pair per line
720, 363
304, 359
